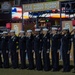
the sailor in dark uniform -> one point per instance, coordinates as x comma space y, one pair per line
30, 49
13, 49
73, 39
38, 49
0, 52
22, 46
66, 46
4, 48
55, 45
46, 49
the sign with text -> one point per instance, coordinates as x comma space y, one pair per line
40, 6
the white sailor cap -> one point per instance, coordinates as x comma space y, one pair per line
12, 31
29, 31
37, 29
45, 29
65, 28
54, 28
22, 31
5, 32
74, 27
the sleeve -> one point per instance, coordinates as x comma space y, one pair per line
59, 43
17, 43
25, 42
70, 41
32, 40
48, 43
59, 40
7, 45
70, 44
72, 38
40, 48
0, 45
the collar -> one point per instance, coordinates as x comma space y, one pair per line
12, 36
22, 36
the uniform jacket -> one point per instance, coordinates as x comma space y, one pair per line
13, 43
29, 43
38, 42
4, 43
22, 43
55, 41
46, 42
66, 42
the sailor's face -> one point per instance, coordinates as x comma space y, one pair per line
64, 31
44, 32
54, 31
36, 33
4, 34
9, 34
29, 33
21, 34
12, 33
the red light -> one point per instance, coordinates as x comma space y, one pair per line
53, 10
8, 25
73, 22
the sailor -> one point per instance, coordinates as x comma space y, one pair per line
30, 49
46, 49
38, 48
55, 45
73, 40
4, 48
66, 46
13, 42
22, 47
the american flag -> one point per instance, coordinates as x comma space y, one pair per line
16, 12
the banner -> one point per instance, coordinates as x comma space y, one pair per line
40, 6
17, 27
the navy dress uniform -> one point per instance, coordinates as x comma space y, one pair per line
29, 48
0, 54
46, 49
73, 39
55, 45
22, 47
13, 50
4, 48
38, 49
66, 46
